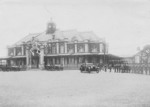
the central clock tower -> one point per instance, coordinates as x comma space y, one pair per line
51, 28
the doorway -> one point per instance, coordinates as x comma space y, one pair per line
35, 62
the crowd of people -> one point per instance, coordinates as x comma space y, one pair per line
126, 68
118, 67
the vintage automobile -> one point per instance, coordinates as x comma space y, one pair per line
3, 68
9, 68
89, 67
15, 68
57, 67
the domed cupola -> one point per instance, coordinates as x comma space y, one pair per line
51, 28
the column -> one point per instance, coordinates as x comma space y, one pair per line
86, 46
41, 64
14, 51
65, 60
22, 50
75, 60
104, 48
100, 48
28, 59
65, 48
57, 47
75, 47
62, 61
53, 60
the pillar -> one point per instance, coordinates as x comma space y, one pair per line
100, 47
22, 50
75, 60
57, 47
14, 51
86, 46
75, 47
28, 59
65, 60
53, 60
62, 61
65, 48
41, 64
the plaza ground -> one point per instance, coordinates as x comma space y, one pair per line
72, 88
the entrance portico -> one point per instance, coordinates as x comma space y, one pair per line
35, 57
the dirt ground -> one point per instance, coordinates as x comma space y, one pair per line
72, 88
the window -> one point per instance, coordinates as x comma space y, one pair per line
11, 51
81, 59
70, 48
49, 50
101, 48
71, 60
18, 51
53, 48
81, 48
94, 47
62, 48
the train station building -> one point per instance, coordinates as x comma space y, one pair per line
69, 48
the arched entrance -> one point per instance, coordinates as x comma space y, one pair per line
35, 62
35, 59
35, 54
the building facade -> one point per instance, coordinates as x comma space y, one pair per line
69, 48
141, 61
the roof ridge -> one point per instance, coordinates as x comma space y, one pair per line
86, 31
37, 34
68, 30
22, 39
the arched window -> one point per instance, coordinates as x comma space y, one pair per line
94, 47
70, 48
101, 48
53, 48
18, 51
61, 48
81, 48
11, 51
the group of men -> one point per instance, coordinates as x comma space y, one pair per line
127, 68
118, 67
140, 68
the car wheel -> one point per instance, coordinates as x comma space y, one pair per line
89, 71
97, 71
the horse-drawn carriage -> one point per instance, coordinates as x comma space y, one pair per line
56, 67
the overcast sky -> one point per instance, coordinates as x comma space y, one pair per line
125, 24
